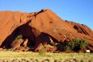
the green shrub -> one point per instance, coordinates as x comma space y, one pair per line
42, 51
77, 44
19, 37
73, 45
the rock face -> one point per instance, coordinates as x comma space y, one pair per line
43, 27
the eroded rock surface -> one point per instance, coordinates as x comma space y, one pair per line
43, 27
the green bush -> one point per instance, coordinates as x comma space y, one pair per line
73, 45
19, 37
77, 44
61, 46
42, 52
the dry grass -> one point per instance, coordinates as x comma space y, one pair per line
10, 56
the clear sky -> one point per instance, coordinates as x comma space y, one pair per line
80, 11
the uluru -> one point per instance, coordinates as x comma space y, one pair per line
37, 30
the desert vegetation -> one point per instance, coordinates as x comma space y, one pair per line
74, 45
22, 35
11, 56
19, 37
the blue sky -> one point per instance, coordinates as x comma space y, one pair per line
80, 11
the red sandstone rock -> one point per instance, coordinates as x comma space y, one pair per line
39, 27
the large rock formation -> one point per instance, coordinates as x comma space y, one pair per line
39, 27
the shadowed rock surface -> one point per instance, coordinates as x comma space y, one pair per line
43, 28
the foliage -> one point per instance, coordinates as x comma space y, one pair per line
19, 37
73, 45
77, 44
62, 46
42, 51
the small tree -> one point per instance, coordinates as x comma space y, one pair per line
77, 44
73, 45
83, 44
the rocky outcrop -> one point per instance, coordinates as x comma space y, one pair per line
43, 28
